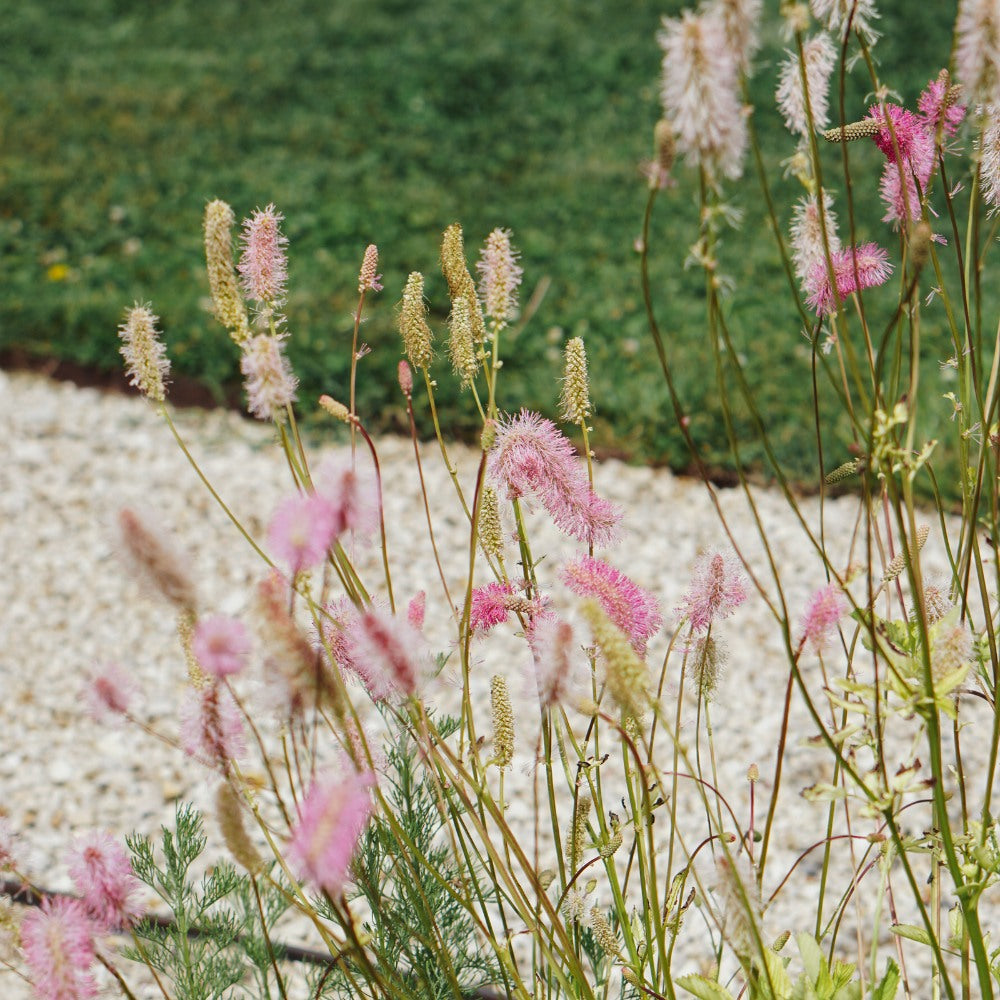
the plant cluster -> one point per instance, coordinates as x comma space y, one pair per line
393, 830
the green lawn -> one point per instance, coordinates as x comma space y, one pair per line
383, 122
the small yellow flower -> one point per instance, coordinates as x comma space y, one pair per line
57, 272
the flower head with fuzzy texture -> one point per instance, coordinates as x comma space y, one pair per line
489, 605
718, 587
108, 693
103, 876
221, 645
530, 457
700, 92
633, 610
145, 356
302, 529
854, 268
58, 943
270, 384
818, 59
551, 642
384, 650
808, 248
211, 726
351, 489
977, 50
332, 817
499, 277
825, 608
262, 263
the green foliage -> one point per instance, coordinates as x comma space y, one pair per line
382, 122
420, 929
202, 965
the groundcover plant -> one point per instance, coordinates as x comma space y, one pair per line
352, 805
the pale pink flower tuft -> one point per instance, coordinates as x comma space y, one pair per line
740, 19
352, 492
700, 92
302, 529
838, 15
499, 277
58, 943
489, 606
807, 233
825, 608
977, 50
108, 693
270, 384
103, 876
718, 587
633, 610
551, 642
386, 652
989, 159
531, 457
221, 645
332, 818
818, 58
262, 264
211, 726
854, 269
416, 608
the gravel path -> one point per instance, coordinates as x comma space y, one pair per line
73, 456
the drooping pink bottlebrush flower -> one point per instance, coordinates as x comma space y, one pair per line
108, 693
531, 457
211, 726
977, 50
262, 264
499, 277
386, 652
221, 645
332, 818
270, 385
633, 610
58, 943
909, 151
718, 587
818, 59
939, 107
352, 492
301, 531
103, 876
700, 92
551, 642
854, 268
155, 558
416, 608
825, 608
489, 605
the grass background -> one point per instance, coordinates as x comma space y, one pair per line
384, 121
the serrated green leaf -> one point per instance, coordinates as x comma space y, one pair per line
775, 982
702, 988
886, 989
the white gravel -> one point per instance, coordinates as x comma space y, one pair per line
72, 457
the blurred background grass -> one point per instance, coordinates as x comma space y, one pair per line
384, 121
